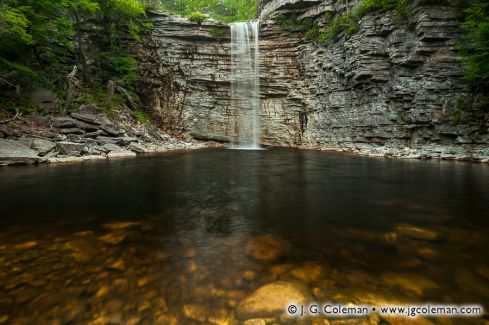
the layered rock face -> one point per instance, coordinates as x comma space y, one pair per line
186, 71
388, 89
391, 90
186, 82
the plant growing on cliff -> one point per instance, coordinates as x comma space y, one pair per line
348, 22
218, 32
197, 17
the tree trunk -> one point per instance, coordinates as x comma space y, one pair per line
81, 51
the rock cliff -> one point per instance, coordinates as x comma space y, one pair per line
388, 89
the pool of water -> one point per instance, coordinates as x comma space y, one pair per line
186, 238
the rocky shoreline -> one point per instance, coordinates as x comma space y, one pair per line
84, 135
450, 153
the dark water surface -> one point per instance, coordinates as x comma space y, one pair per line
349, 229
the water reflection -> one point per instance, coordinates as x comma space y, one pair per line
198, 238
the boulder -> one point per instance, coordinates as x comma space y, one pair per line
113, 147
45, 99
26, 141
43, 146
92, 135
272, 299
88, 109
127, 140
215, 138
266, 247
63, 122
97, 119
75, 138
70, 148
110, 130
139, 148
13, 152
71, 131
86, 126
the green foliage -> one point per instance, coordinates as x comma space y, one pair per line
308, 26
120, 67
475, 45
142, 117
197, 17
11, 104
21, 70
348, 22
218, 32
223, 10
13, 26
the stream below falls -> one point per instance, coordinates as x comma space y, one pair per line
186, 238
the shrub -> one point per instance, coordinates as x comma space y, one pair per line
142, 117
197, 17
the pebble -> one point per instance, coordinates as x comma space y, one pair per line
266, 247
195, 312
113, 238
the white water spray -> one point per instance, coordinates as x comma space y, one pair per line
245, 60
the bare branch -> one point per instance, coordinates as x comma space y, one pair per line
17, 115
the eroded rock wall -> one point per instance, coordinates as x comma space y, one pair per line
185, 72
388, 89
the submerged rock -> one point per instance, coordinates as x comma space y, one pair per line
416, 232
266, 247
308, 273
195, 312
272, 300
255, 321
113, 238
410, 282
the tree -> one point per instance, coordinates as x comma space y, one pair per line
475, 46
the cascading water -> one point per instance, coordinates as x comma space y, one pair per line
245, 58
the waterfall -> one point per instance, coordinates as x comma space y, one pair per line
245, 65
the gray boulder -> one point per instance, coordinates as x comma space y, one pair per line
70, 148
88, 109
138, 148
86, 126
14, 152
63, 122
110, 130
113, 147
127, 140
45, 99
71, 131
97, 119
92, 134
43, 146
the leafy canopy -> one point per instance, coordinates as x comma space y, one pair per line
475, 46
224, 10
